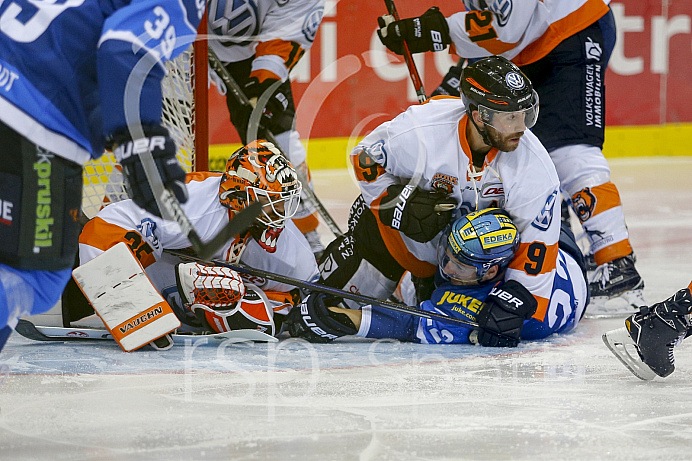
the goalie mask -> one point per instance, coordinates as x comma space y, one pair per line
259, 173
501, 93
477, 242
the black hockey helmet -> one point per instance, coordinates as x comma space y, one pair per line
494, 84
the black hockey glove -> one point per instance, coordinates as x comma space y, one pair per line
429, 32
276, 105
502, 317
312, 320
419, 214
163, 149
451, 82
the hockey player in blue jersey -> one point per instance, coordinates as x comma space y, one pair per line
471, 264
76, 76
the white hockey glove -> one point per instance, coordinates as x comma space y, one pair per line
214, 286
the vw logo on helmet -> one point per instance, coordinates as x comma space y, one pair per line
515, 81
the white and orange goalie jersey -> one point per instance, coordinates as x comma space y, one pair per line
426, 146
277, 32
147, 236
521, 31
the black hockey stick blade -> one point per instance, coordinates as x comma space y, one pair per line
362, 299
30, 331
62, 334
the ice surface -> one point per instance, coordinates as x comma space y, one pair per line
564, 398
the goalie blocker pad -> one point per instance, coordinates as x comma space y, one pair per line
123, 296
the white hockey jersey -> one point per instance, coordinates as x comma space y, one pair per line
277, 31
426, 146
522, 31
116, 222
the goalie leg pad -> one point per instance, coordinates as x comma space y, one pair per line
123, 296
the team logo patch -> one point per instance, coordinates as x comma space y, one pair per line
444, 182
593, 49
545, 217
237, 22
515, 81
584, 203
312, 23
147, 228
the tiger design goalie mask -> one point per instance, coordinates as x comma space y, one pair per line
259, 173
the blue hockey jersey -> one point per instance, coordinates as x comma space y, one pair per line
65, 64
567, 303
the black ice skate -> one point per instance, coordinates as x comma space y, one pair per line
652, 333
615, 279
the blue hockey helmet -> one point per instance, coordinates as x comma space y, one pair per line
477, 242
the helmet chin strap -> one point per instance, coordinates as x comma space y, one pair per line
483, 134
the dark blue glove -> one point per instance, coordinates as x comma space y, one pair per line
502, 317
163, 149
312, 320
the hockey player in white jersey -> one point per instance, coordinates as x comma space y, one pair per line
645, 344
259, 42
449, 153
564, 48
210, 297
472, 259
70, 71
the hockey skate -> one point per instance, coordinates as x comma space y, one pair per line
645, 344
616, 289
313, 238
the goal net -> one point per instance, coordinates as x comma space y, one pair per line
184, 114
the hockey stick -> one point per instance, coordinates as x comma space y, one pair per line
412, 70
328, 290
169, 205
242, 99
41, 333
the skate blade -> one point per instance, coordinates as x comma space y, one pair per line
622, 305
621, 345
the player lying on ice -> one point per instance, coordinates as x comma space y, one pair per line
213, 298
470, 284
645, 344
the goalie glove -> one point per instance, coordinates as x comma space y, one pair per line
163, 149
429, 32
312, 320
253, 312
419, 214
214, 286
502, 316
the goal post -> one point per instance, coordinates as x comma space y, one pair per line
184, 113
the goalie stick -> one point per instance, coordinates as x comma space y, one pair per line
54, 334
363, 299
412, 70
242, 99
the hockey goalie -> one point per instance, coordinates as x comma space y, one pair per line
204, 298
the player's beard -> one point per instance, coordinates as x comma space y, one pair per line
503, 142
